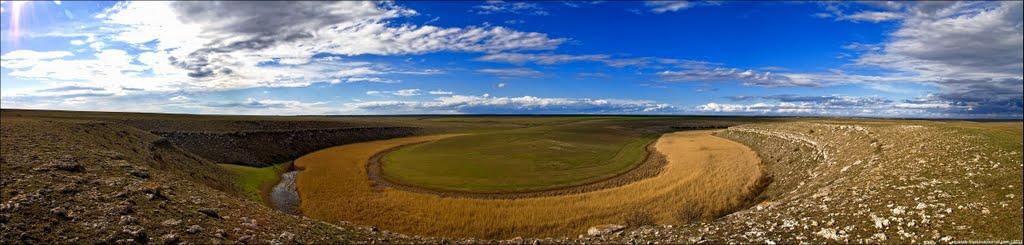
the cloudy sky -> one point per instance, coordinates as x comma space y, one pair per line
898, 59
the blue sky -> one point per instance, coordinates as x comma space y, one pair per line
880, 59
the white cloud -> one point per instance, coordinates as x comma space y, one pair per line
960, 40
667, 6
971, 50
107, 68
543, 59
360, 71
872, 16
212, 46
18, 59
407, 92
440, 92
617, 62
180, 99
524, 104
500, 85
930, 106
512, 72
498, 6
401, 92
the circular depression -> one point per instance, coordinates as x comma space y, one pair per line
703, 176
650, 165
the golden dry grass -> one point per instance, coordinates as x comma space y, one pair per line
705, 176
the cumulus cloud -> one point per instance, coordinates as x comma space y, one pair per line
524, 104
512, 72
204, 46
961, 40
974, 52
930, 106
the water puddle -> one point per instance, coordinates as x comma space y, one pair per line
285, 196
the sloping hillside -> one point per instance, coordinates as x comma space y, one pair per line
84, 181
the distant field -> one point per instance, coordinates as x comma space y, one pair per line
527, 159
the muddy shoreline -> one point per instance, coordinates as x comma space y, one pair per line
650, 166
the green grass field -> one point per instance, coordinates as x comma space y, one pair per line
527, 159
254, 181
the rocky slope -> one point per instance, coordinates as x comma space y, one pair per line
265, 147
82, 181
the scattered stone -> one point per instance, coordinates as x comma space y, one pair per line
155, 192
136, 232
194, 229
73, 167
128, 220
828, 233
210, 212
171, 222
170, 238
287, 236
604, 229
140, 174
60, 212
124, 208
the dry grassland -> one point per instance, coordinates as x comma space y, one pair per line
706, 176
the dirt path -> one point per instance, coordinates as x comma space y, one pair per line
704, 176
650, 166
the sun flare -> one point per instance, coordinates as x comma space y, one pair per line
16, 9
